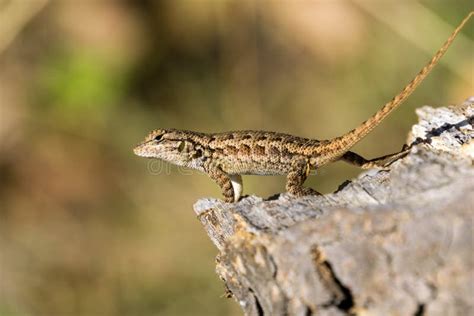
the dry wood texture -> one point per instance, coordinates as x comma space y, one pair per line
397, 241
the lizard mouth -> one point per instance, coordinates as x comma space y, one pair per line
141, 150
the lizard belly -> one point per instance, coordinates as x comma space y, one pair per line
251, 167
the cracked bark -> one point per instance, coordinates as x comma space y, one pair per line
397, 241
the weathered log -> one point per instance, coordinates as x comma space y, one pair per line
396, 241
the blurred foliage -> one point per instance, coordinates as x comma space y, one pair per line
77, 83
86, 228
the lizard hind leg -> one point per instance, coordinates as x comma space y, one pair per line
380, 162
296, 177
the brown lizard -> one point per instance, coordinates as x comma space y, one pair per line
227, 156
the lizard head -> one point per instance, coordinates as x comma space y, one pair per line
169, 145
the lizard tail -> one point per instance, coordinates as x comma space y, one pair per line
339, 145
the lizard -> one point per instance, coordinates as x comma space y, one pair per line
226, 156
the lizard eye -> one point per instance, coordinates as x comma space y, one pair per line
158, 138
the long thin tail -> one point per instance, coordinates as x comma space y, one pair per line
339, 145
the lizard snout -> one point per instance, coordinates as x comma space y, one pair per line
140, 150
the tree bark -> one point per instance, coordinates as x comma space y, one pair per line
396, 241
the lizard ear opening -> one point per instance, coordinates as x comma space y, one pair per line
181, 146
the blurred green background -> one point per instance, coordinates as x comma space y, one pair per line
87, 228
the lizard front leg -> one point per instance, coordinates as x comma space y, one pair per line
224, 181
297, 176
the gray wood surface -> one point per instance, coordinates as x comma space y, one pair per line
391, 242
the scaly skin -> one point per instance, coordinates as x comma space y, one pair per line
227, 156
